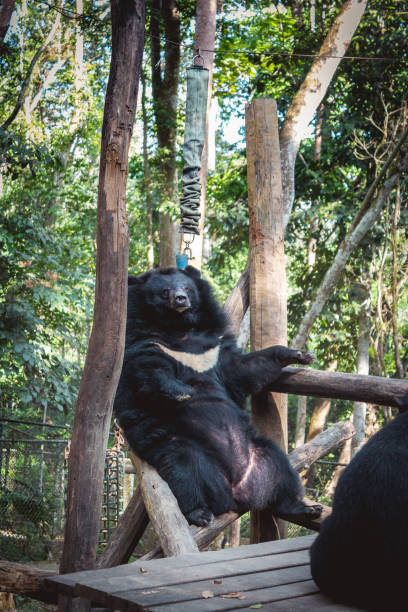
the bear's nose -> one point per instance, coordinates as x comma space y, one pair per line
180, 299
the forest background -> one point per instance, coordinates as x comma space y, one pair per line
54, 67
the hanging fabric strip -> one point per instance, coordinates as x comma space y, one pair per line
194, 134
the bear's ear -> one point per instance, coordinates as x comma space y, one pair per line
139, 280
192, 272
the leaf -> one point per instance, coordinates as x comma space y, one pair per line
217, 581
256, 606
234, 595
207, 594
143, 571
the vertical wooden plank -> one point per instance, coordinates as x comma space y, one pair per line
267, 272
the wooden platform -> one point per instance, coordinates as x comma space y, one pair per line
273, 576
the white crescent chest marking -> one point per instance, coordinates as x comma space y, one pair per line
200, 362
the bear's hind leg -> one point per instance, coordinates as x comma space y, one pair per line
198, 485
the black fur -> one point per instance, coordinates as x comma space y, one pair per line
361, 554
190, 424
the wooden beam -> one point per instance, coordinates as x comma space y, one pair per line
267, 292
169, 523
26, 580
354, 387
105, 351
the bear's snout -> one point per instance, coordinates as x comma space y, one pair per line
179, 300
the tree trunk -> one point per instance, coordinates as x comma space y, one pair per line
310, 95
344, 459
237, 303
363, 359
399, 368
147, 181
204, 39
267, 272
301, 421
321, 411
165, 89
48, 39
106, 345
352, 240
312, 92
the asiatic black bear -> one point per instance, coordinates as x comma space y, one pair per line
361, 554
181, 396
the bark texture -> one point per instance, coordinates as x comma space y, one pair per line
169, 524
312, 92
267, 273
25, 580
165, 89
106, 345
354, 387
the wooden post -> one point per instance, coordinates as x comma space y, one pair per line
105, 351
267, 273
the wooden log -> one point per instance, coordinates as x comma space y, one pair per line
170, 525
304, 456
127, 534
105, 351
267, 292
354, 387
26, 580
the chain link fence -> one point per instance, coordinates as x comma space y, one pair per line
33, 485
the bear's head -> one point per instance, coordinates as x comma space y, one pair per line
171, 299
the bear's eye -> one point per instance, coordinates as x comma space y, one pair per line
165, 293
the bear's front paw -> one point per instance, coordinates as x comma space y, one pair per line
304, 357
314, 511
180, 392
183, 398
200, 516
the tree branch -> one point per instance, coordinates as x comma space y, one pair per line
353, 239
313, 90
26, 82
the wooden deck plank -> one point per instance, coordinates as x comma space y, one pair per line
156, 577
181, 593
309, 603
66, 583
250, 598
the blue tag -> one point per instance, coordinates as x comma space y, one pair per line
181, 260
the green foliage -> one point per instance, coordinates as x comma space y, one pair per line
49, 170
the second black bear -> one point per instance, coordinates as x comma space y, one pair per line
361, 554
181, 396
